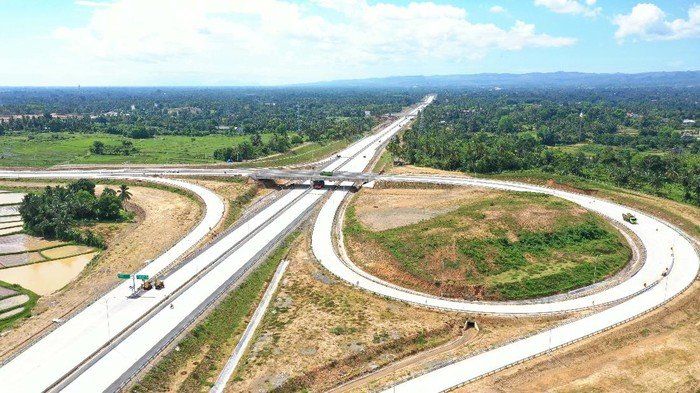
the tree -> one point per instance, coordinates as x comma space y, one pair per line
98, 147
506, 125
109, 205
124, 194
84, 185
142, 133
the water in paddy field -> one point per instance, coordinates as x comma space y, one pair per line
47, 277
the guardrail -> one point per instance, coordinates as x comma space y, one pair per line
338, 222
158, 348
694, 242
81, 307
120, 336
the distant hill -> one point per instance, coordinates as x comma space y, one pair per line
553, 79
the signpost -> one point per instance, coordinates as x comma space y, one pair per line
133, 277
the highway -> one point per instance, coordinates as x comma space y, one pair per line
672, 264
103, 346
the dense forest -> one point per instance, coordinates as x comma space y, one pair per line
633, 138
59, 212
292, 115
143, 112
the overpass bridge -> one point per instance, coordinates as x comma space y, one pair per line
306, 175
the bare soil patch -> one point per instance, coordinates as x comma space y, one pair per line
318, 331
388, 208
480, 244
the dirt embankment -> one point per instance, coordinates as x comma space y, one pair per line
160, 212
659, 352
465, 242
320, 333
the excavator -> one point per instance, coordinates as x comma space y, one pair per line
157, 283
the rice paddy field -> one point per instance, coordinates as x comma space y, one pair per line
43, 150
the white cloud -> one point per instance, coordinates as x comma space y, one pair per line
575, 7
648, 22
281, 40
86, 3
497, 9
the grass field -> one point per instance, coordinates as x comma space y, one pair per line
385, 162
644, 201
65, 148
510, 247
309, 152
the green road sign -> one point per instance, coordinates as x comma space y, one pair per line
142, 276
123, 276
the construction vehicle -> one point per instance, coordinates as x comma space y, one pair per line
629, 217
326, 173
159, 284
147, 286
318, 184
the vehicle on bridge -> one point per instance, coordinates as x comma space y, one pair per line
326, 173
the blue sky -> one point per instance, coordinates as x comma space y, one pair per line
234, 42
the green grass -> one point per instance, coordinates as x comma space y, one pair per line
385, 162
26, 313
508, 262
309, 152
237, 205
65, 148
591, 149
635, 198
208, 341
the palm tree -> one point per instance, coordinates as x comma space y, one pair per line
124, 194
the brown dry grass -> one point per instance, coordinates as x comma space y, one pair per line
323, 333
316, 320
657, 353
380, 209
129, 244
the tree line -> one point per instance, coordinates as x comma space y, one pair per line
314, 114
637, 143
58, 212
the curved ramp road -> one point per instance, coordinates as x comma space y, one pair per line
668, 250
71, 342
102, 347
